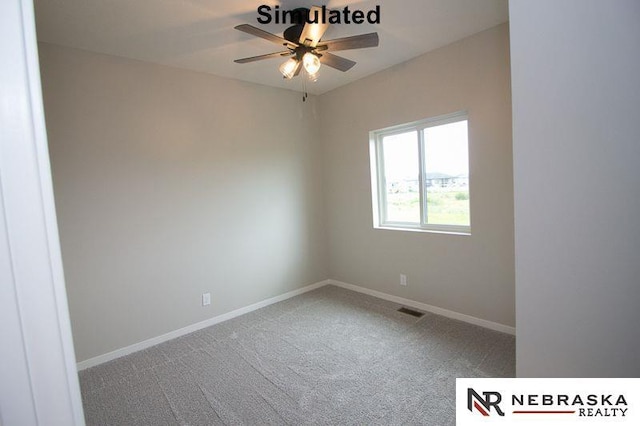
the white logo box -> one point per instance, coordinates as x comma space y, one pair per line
547, 401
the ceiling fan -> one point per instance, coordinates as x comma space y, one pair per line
305, 47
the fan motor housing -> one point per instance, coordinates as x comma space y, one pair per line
298, 17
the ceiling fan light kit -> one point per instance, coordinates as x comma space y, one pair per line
290, 68
311, 63
303, 40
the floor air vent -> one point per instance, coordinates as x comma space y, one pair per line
411, 312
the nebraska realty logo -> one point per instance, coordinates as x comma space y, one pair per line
484, 405
594, 401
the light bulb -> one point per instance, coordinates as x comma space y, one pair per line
311, 63
288, 69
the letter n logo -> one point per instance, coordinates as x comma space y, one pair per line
483, 405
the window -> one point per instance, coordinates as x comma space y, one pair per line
420, 175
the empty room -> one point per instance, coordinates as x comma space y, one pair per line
302, 212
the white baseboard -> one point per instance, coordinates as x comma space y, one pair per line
91, 362
428, 308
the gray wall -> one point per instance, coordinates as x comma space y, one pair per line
576, 104
172, 183
473, 274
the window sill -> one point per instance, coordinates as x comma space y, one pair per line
425, 230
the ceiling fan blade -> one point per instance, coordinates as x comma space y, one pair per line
312, 33
355, 42
250, 29
337, 62
261, 57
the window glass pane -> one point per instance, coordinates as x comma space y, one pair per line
401, 176
446, 157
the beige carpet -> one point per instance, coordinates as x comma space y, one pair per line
327, 357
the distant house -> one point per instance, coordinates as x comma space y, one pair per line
443, 180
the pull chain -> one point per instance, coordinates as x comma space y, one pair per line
304, 85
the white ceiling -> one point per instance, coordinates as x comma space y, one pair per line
199, 34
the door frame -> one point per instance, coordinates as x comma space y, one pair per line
38, 375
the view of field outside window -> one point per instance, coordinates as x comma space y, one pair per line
401, 171
446, 163
446, 157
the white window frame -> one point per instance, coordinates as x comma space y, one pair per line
378, 183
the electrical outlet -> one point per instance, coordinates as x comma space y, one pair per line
206, 299
403, 279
